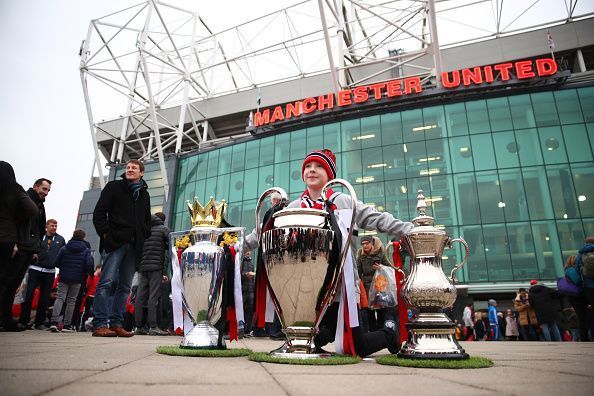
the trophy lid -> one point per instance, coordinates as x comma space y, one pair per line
424, 239
423, 222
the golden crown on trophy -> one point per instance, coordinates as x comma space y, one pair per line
210, 215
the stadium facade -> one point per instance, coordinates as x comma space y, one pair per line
501, 142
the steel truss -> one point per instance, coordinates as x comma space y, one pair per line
157, 64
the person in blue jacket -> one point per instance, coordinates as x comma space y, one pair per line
493, 320
75, 262
587, 279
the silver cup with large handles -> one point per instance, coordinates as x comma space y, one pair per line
301, 281
431, 334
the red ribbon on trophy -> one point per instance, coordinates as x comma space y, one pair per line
402, 307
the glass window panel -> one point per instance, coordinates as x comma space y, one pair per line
588, 226
586, 96
315, 138
537, 193
196, 190
416, 155
528, 147
483, 151
506, 150
192, 166
456, 119
576, 140
391, 128
225, 160
201, 167
210, 188
373, 164
546, 247
442, 200
177, 222
568, 106
180, 197
332, 137
373, 194
282, 147
590, 128
571, 238
562, 192
490, 197
238, 160
453, 256
497, 253
478, 118
351, 135
477, 263
438, 155
213, 163
296, 184
545, 111
521, 112
298, 147
467, 199
182, 172
248, 217
461, 154
233, 215
397, 199
185, 222
250, 186
583, 179
282, 174
236, 187
434, 120
499, 114
267, 151
223, 187
394, 158
371, 132
413, 185
412, 125
252, 154
265, 178
552, 145
350, 164
512, 192
521, 247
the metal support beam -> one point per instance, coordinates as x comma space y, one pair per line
434, 46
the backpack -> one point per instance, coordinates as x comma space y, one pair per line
588, 265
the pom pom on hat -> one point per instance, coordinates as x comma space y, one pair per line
324, 157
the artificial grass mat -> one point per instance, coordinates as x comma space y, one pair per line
328, 361
472, 362
173, 350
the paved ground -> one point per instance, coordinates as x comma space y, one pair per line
36, 362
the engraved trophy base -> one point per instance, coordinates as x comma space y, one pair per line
202, 336
432, 336
299, 344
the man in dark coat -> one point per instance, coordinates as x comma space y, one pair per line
151, 273
122, 219
545, 302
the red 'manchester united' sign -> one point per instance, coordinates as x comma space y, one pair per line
521, 70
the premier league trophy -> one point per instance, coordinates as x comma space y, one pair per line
202, 272
431, 334
295, 252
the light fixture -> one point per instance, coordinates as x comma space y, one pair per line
363, 137
429, 159
434, 199
404, 148
582, 198
424, 128
429, 172
364, 179
564, 215
551, 144
403, 189
465, 152
501, 204
486, 249
444, 257
376, 166
547, 238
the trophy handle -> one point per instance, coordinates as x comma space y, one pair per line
389, 257
458, 266
264, 195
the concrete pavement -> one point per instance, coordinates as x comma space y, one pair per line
43, 363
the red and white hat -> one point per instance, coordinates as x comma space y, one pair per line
324, 157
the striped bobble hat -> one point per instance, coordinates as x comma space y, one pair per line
326, 158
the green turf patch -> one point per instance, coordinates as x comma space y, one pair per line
302, 323
328, 361
471, 363
177, 351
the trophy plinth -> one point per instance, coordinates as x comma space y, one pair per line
431, 334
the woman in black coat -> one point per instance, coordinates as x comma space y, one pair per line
16, 209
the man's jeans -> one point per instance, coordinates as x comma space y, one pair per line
45, 281
119, 264
550, 331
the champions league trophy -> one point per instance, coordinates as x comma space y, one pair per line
202, 270
295, 252
431, 334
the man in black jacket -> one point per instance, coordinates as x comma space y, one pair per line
151, 273
122, 219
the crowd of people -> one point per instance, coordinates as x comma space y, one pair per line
128, 292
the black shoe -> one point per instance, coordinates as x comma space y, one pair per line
155, 331
140, 331
278, 336
15, 327
259, 333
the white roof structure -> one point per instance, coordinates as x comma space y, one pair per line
168, 84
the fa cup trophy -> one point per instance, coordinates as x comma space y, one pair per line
302, 282
431, 334
203, 271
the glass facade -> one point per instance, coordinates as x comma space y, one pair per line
513, 175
